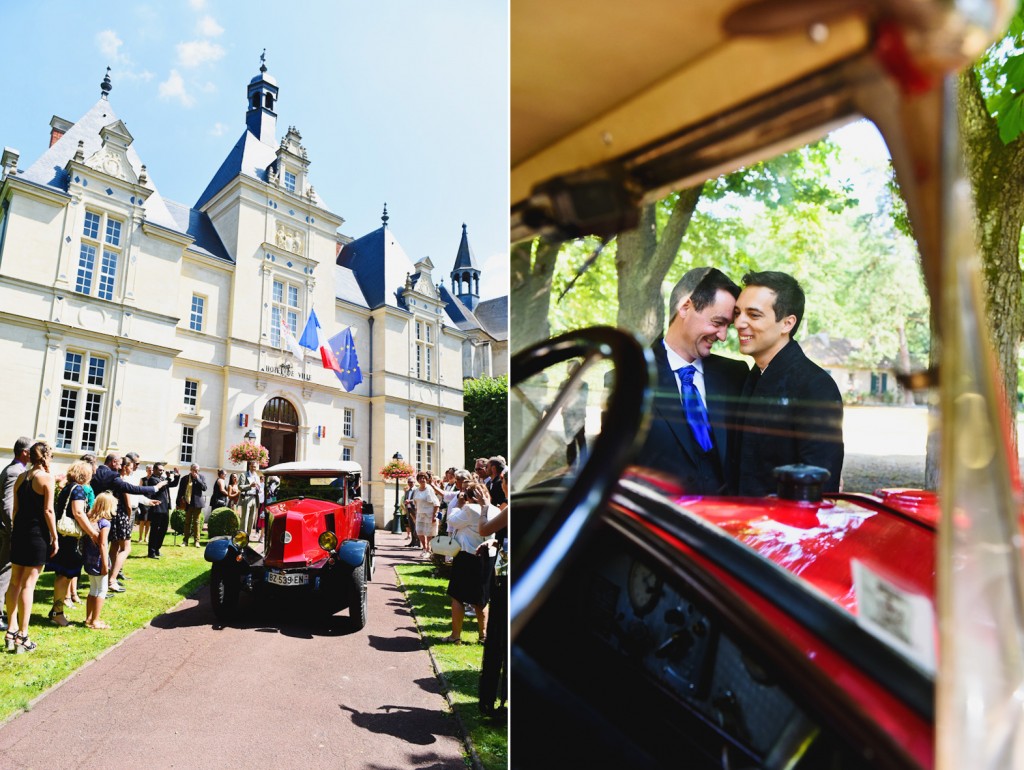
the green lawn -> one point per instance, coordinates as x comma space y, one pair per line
425, 591
153, 588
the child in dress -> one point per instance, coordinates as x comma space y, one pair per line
95, 556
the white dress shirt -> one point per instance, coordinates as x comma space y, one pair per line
676, 362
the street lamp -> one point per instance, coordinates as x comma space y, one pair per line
396, 521
250, 436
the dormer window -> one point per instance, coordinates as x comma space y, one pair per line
97, 260
289, 181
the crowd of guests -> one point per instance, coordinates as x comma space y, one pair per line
105, 500
471, 507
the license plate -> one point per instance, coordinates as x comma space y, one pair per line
288, 578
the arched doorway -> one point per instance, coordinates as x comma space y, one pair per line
280, 426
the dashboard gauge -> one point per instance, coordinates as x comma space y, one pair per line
644, 588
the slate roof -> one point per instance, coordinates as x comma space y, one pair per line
346, 287
380, 265
48, 170
493, 317
200, 227
249, 157
460, 315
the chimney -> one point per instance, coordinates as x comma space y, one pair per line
58, 127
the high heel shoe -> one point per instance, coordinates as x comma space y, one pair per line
11, 640
23, 644
58, 619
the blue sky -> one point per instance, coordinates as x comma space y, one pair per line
397, 101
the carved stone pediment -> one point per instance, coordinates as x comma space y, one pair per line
112, 157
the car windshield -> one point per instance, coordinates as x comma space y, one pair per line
883, 374
319, 488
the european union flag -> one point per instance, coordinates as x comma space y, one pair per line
344, 349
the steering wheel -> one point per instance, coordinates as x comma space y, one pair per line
544, 544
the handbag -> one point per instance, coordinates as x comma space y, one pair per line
444, 545
66, 525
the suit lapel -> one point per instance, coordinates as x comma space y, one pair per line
669, 407
716, 405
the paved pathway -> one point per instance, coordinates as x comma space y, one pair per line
185, 693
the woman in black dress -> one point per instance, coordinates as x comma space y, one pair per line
33, 538
67, 564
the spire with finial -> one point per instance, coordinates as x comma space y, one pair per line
105, 86
263, 61
384, 217
465, 276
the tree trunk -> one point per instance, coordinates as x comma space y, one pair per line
532, 265
901, 330
642, 260
996, 172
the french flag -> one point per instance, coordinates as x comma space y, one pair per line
313, 339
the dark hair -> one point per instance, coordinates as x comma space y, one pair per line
701, 285
789, 297
89, 458
133, 456
38, 451
22, 444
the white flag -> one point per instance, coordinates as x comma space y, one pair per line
289, 340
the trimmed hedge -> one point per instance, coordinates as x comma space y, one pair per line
178, 521
222, 521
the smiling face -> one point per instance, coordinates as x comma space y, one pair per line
692, 333
761, 334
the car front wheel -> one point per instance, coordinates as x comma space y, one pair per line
357, 601
223, 592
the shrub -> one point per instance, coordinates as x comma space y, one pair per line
178, 521
223, 521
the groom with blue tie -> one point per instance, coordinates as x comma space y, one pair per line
697, 392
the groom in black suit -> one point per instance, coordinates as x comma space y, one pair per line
696, 391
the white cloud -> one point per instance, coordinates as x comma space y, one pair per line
218, 129
208, 27
174, 88
197, 5
197, 52
109, 44
119, 75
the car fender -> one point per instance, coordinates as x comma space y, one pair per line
367, 527
219, 549
352, 552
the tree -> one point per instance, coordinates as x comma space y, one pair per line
991, 109
485, 400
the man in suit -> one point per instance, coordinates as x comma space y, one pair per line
159, 514
696, 390
192, 499
792, 411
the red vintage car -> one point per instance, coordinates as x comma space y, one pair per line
655, 628
319, 545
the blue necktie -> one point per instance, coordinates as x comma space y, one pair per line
696, 415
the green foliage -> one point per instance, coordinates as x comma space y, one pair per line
485, 400
178, 521
1001, 74
459, 665
223, 521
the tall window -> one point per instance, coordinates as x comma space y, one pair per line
424, 351
198, 309
188, 444
191, 396
81, 401
289, 181
346, 425
346, 453
424, 444
98, 257
284, 305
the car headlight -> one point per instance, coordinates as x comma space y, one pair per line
240, 539
328, 541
